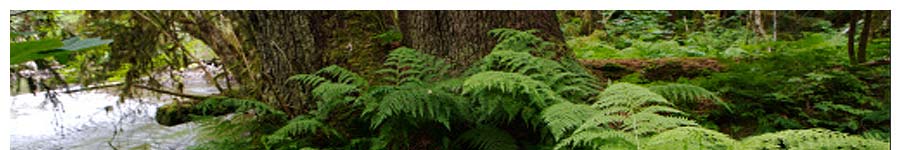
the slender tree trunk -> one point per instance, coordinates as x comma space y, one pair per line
462, 37
851, 34
758, 25
864, 37
587, 22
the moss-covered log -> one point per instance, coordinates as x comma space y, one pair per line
182, 112
668, 69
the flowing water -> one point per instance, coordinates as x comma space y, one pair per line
96, 120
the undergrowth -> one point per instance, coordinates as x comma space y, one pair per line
517, 97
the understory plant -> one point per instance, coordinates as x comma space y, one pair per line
517, 97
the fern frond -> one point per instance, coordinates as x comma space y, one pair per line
341, 75
412, 101
572, 84
308, 80
810, 139
689, 138
520, 41
565, 116
686, 93
624, 113
408, 65
494, 93
595, 138
301, 126
644, 111
488, 138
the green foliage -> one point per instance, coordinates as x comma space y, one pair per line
405, 65
689, 138
687, 93
303, 127
572, 82
623, 112
217, 104
503, 95
516, 98
31, 50
810, 139
519, 41
389, 36
488, 138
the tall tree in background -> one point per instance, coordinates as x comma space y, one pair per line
851, 34
587, 22
461, 37
864, 37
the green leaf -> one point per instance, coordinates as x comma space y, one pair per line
76, 43
31, 50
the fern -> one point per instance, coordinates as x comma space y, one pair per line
641, 108
305, 127
408, 65
331, 73
566, 116
573, 85
520, 41
689, 138
418, 101
810, 139
415, 91
624, 111
488, 138
686, 93
498, 95
599, 138
333, 85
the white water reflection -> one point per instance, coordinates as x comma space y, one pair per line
85, 123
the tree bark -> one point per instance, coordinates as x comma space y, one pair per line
851, 34
864, 37
285, 43
461, 37
587, 22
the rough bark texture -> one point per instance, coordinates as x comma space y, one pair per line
280, 44
461, 37
285, 45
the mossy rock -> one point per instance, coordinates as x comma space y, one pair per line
173, 114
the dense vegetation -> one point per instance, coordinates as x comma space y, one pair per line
666, 80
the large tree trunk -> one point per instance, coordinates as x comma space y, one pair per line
264, 48
284, 44
461, 37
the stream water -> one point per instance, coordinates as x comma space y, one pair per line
96, 120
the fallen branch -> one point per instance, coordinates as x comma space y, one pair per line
880, 62
93, 88
195, 97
